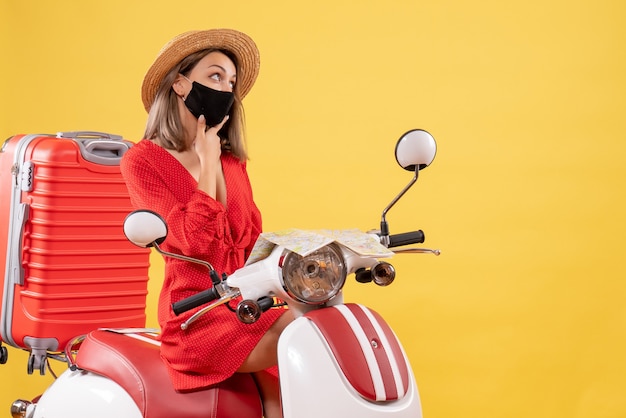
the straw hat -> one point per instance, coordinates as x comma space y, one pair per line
185, 44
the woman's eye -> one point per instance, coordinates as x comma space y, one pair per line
217, 77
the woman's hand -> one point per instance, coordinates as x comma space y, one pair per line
208, 148
207, 143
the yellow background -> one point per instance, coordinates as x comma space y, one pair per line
523, 314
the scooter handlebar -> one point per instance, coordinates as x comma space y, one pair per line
407, 238
194, 301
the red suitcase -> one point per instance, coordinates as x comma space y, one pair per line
68, 267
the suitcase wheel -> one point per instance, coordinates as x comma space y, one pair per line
4, 354
37, 362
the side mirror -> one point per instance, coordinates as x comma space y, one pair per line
416, 149
145, 228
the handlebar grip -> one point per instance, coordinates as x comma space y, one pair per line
407, 238
194, 301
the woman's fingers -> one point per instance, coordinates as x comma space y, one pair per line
219, 125
207, 142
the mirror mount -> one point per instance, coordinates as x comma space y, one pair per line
208, 265
384, 226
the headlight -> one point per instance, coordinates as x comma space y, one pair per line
315, 278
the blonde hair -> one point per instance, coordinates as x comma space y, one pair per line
164, 125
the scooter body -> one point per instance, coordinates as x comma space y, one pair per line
343, 354
314, 380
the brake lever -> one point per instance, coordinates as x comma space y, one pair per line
417, 251
227, 297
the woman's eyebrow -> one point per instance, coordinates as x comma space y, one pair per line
220, 67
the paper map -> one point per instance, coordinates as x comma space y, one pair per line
304, 242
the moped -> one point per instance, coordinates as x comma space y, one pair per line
335, 359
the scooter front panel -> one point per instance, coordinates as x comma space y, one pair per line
313, 382
366, 350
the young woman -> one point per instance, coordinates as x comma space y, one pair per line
191, 169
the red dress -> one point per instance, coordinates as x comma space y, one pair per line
213, 347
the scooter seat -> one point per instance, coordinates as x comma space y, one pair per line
133, 361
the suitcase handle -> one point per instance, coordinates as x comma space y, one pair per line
99, 147
88, 134
15, 262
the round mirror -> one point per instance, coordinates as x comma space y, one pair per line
415, 148
144, 228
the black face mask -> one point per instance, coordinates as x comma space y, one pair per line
213, 104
